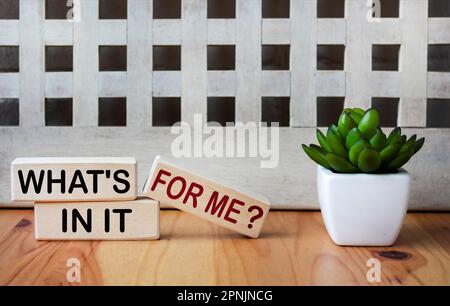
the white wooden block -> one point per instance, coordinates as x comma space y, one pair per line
206, 199
56, 179
127, 220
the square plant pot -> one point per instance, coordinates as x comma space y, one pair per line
363, 209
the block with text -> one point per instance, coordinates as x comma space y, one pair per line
56, 179
119, 220
206, 198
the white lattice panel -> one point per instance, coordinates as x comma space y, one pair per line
248, 82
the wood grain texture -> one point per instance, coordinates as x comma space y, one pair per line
294, 249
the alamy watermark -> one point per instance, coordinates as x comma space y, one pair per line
254, 140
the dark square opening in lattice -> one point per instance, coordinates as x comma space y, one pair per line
9, 112
58, 9
221, 9
221, 110
328, 110
276, 8
439, 58
385, 57
58, 112
166, 58
389, 9
330, 57
9, 59
275, 57
112, 9
112, 58
166, 9
276, 110
221, 57
58, 58
438, 8
438, 113
388, 110
9, 9
166, 111
112, 111
330, 8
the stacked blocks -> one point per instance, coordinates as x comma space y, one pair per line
95, 198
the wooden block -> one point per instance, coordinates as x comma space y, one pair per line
206, 199
60, 179
124, 220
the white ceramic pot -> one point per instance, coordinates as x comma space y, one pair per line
363, 209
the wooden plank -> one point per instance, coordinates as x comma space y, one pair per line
115, 84
58, 32
139, 63
53, 179
303, 62
214, 256
207, 199
59, 85
194, 59
438, 85
167, 83
358, 58
276, 31
221, 31
429, 168
276, 83
248, 60
85, 66
9, 32
438, 32
166, 32
114, 32
221, 83
31, 38
124, 220
413, 106
9, 85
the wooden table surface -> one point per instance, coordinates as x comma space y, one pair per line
294, 249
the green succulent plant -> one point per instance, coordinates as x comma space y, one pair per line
357, 144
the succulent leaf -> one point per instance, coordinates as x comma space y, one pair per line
336, 144
356, 150
394, 136
408, 145
369, 160
346, 123
353, 137
419, 145
340, 164
390, 152
316, 156
323, 141
378, 141
369, 123
357, 144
